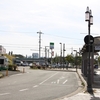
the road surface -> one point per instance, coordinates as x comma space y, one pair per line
38, 85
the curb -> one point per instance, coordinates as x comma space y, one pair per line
82, 80
80, 89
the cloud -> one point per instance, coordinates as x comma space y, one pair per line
64, 18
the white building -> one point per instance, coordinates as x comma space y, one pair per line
2, 50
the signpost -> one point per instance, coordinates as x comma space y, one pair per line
51, 47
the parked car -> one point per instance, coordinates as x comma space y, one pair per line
24, 64
30, 64
53, 65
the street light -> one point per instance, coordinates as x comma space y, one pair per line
46, 55
89, 18
60, 54
63, 54
76, 59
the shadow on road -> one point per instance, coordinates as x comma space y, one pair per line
94, 97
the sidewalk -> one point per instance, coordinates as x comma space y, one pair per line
85, 95
5, 73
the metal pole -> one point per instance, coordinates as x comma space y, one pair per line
63, 54
51, 57
76, 60
60, 54
45, 56
48, 53
89, 81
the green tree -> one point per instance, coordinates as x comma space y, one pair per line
56, 59
78, 60
69, 59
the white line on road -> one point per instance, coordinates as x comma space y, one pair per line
4, 94
23, 90
62, 77
35, 86
53, 82
64, 81
48, 78
57, 81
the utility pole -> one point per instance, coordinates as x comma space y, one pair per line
48, 53
39, 44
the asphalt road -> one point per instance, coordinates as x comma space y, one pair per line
38, 85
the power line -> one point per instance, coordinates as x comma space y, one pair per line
45, 34
15, 31
62, 37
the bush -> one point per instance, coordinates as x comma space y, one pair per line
12, 67
34, 66
3, 68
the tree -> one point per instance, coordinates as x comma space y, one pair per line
69, 59
56, 59
78, 60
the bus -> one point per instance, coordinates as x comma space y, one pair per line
3, 62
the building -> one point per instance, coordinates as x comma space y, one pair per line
35, 55
2, 50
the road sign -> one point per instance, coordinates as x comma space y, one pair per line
51, 45
52, 53
86, 39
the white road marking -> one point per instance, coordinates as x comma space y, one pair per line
64, 81
62, 77
52, 82
48, 78
4, 94
35, 86
57, 81
23, 90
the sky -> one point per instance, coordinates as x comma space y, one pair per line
60, 21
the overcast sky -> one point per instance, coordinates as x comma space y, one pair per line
59, 20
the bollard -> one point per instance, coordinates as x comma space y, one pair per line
23, 70
7, 72
17, 67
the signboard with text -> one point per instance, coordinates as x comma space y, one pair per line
51, 45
